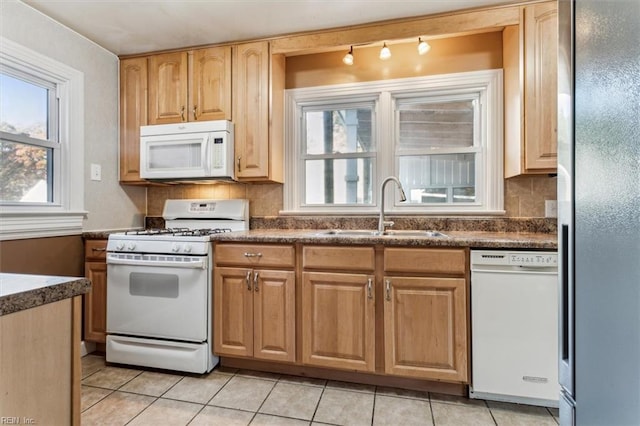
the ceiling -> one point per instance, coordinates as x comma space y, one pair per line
127, 27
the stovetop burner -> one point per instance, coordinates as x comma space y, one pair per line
180, 232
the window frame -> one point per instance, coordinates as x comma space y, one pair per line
487, 83
65, 214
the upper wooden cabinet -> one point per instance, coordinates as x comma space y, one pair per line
530, 87
258, 97
190, 86
133, 114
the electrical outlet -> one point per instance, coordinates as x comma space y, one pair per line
550, 208
96, 172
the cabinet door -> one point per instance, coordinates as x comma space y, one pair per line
425, 327
540, 95
338, 324
210, 84
232, 311
168, 88
251, 110
95, 302
133, 114
274, 315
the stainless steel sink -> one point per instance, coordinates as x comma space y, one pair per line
412, 233
370, 233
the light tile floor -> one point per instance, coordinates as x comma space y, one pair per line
127, 396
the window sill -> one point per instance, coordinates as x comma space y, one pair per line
17, 225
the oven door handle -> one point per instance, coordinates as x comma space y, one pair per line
197, 264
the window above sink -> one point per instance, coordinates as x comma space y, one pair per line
441, 135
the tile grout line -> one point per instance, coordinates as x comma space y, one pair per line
263, 401
315, 411
433, 418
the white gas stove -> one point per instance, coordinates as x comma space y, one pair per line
159, 287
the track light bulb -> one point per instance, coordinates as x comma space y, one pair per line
385, 53
348, 58
423, 46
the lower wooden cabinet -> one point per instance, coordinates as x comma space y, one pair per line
254, 308
95, 301
425, 327
397, 311
338, 320
426, 313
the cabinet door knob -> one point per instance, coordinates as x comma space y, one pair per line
255, 281
370, 288
182, 113
387, 289
252, 254
195, 112
239, 168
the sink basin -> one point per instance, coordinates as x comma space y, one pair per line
370, 233
412, 233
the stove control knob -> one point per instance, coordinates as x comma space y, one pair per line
119, 246
175, 248
187, 248
131, 246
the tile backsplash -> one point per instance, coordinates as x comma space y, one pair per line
524, 195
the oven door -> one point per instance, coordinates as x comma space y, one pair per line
159, 296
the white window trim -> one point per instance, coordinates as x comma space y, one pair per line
487, 82
66, 214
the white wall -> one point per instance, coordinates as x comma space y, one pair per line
110, 205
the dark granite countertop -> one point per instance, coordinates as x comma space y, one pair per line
473, 239
21, 291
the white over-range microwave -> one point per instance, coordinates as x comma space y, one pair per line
187, 151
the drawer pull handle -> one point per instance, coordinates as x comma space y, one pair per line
255, 281
370, 288
387, 288
98, 249
248, 279
253, 255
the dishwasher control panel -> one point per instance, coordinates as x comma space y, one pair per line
514, 258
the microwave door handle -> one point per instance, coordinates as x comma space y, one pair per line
207, 154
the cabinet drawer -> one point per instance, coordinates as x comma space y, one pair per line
254, 255
338, 258
430, 261
95, 250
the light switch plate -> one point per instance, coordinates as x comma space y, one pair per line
550, 208
96, 172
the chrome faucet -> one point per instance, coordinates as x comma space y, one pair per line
382, 224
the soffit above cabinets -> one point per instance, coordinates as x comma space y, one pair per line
126, 28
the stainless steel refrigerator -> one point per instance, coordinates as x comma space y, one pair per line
599, 211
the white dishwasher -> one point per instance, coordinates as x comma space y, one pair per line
514, 327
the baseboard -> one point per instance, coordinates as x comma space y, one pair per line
86, 348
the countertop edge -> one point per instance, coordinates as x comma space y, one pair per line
33, 298
473, 240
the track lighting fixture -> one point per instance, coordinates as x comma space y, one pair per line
348, 58
423, 46
385, 53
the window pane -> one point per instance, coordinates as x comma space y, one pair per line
439, 178
339, 181
23, 107
436, 125
338, 131
24, 173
